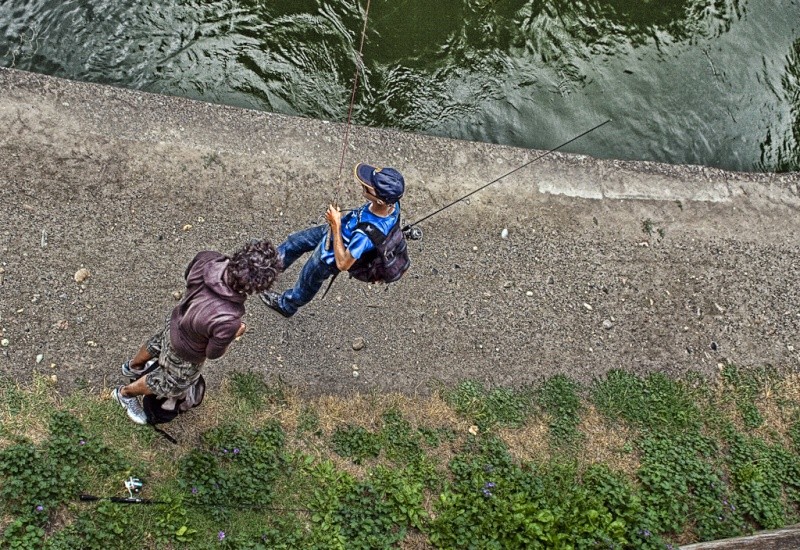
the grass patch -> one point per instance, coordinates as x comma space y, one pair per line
654, 402
558, 399
628, 462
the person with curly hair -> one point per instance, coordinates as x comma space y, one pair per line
201, 326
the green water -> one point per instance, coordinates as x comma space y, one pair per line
710, 82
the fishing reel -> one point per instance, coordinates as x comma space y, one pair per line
412, 233
133, 485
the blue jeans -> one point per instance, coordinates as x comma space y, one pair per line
314, 272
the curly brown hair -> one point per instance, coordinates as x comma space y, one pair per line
253, 267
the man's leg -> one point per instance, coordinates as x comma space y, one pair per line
314, 273
133, 368
300, 242
139, 387
127, 396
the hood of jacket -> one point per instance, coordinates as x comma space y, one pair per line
213, 275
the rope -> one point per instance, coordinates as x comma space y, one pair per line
359, 64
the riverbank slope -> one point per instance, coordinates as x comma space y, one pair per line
606, 264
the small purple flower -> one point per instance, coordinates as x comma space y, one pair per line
39, 508
225, 451
236, 451
221, 535
487, 493
81, 442
194, 490
489, 485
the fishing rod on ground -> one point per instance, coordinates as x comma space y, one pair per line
134, 486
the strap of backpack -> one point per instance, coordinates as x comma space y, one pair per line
327, 288
165, 434
370, 230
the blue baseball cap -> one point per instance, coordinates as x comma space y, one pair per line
388, 183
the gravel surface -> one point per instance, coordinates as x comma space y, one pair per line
572, 265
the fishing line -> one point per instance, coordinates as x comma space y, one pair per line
517, 169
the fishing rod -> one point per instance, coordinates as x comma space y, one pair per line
408, 228
137, 500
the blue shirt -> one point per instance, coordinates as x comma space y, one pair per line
356, 241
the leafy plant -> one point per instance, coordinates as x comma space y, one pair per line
356, 443
35, 480
236, 467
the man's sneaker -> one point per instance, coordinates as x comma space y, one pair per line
273, 301
131, 406
126, 370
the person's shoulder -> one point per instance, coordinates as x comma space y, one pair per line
201, 258
384, 223
207, 256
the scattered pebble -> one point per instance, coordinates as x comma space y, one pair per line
91, 344
81, 275
473, 430
358, 344
529, 293
53, 378
39, 358
4, 342
177, 294
474, 248
187, 227
587, 306
608, 325
504, 233
355, 374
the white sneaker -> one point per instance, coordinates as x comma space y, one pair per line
131, 405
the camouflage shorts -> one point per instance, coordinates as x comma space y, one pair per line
174, 375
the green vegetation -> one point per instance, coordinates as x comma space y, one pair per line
626, 462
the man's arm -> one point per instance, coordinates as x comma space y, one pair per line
344, 260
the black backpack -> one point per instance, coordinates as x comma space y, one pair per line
154, 406
388, 261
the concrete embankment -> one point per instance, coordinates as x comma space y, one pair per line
606, 264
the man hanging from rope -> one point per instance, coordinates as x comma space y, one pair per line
339, 245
